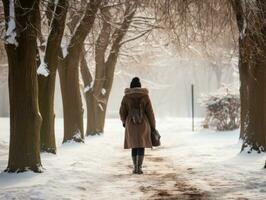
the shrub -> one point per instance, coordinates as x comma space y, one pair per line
222, 110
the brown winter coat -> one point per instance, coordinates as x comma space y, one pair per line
137, 135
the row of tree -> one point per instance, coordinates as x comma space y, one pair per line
33, 43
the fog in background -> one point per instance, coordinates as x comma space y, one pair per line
169, 76
167, 72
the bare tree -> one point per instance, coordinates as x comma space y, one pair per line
46, 81
97, 89
69, 76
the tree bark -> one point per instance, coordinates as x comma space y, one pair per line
254, 135
72, 104
47, 84
25, 118
69, 77
244, 90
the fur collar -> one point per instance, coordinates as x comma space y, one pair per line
136, 90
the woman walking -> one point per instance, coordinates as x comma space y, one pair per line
137, 116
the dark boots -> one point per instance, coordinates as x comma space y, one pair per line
134, 159
140, 161
137, 162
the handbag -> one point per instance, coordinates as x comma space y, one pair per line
155, 138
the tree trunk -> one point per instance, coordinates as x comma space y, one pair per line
93, 125
25, 119
243, 76
72, 103
254, 131
96, 114
252, 63
69, 76
89, 97
96, 96
47, 84
91, 114
243, 67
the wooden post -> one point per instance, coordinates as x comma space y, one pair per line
192, 105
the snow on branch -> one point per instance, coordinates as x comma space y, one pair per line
88, 87
43, 69
10, 37
103, 91
100, 106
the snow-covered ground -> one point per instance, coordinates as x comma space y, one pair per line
189, 165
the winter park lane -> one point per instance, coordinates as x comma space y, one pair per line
95, 170
189, 165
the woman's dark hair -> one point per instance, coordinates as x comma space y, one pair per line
135, 82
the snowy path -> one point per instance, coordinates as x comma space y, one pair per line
165, 182
200, 165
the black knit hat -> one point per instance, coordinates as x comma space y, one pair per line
135, 82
